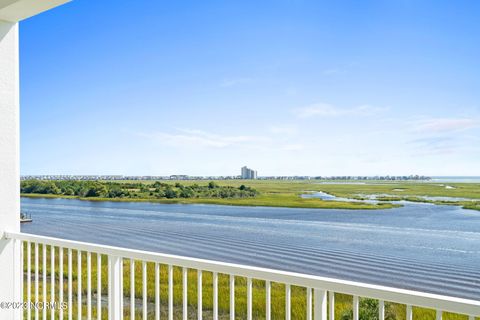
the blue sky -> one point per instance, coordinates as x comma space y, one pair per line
286, 87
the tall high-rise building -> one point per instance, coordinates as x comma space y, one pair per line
248, 173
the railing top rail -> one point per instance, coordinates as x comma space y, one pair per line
403, 296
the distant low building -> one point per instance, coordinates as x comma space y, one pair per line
248, 173
179, 177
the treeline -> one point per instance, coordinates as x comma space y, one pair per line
157, 190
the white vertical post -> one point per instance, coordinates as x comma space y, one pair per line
331, 302
121, 287
36, 280
199, 295
215, 296
144, 290
157, 291
170, 292
70, 287
18, 245
9, 165
355, 307
232, 297
44, 280
249, 298
22, 293
52, 280
29, 279
132, 289
79, 284
60, 281
309, 303
288, 302
320, 304
89, 286
381, 310
99, 286
409, 314
268, 303
185, 293
439, 314
114, 288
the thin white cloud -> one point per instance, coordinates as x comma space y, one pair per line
439, 125
328, 110
445, 143
434, 146
200, 139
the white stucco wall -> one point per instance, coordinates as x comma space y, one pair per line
9, 161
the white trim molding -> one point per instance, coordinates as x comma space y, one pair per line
17, 10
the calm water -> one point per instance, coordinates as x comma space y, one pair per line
420, 246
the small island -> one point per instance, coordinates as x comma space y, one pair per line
226, 192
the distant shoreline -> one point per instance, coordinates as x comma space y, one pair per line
248, 202
288, 194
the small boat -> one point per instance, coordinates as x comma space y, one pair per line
25, 217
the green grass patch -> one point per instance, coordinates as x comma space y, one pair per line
343, 303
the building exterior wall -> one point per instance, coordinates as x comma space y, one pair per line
9, 164
247, 173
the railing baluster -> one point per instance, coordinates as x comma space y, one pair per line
70, 298
99, 286
44, 280
36, 280
89, 285
268, 303
288, 302
19, 248
232, 297
355, 307
157, 291
79, 284
185, 292
331, 302
170, 292
249, 298
309, 303
199, 295
132, 289
60, 281
320, 304
121, 287
215, 296
52, 280
110, 278
381, 310
18, 259
439, 314
409, 313
115, 295
29, 279
144, 289
316, 303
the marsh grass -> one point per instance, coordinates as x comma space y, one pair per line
278, 193
343, 303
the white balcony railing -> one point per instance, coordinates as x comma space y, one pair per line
116, 267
